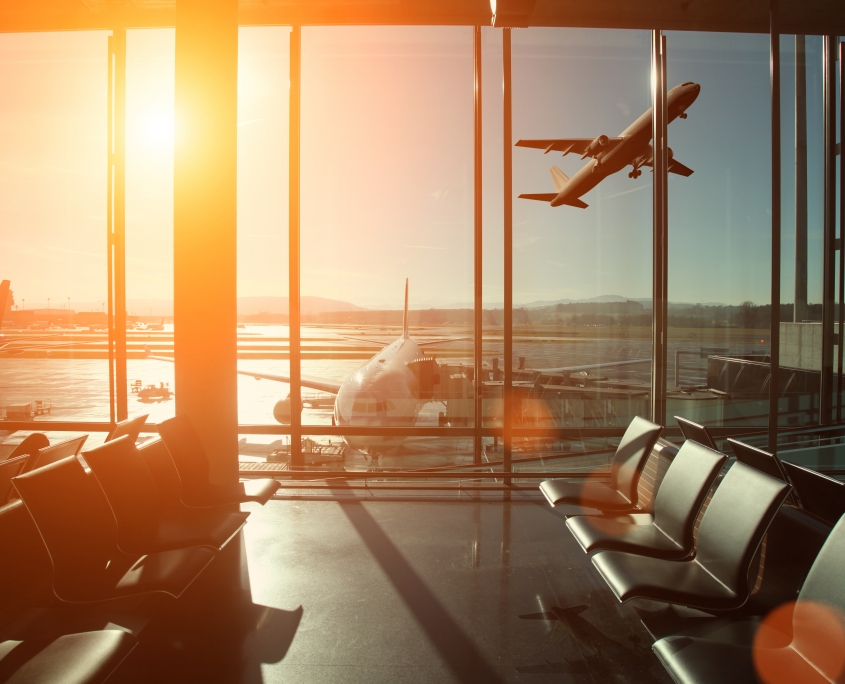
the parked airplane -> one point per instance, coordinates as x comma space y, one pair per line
610, 155
389, 390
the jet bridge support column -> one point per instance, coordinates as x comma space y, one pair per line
774, 349
205, 227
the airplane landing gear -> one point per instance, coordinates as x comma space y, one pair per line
682, 115
636, 173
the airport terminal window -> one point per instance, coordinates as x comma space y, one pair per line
802, 230
53, 217
492, 214
582, 270
150, 74
263, 125
719, 230
387, 194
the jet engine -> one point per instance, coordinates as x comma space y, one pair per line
596, 146
281, 411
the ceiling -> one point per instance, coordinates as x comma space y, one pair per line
751, 16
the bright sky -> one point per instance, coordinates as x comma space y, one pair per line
387, 165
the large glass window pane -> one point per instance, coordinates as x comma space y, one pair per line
719, 230
387, 194
802, 229
53, 215
582, 271
263, 164
150, 77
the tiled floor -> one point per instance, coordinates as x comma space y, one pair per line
364, 591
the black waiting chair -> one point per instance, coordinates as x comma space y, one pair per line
717, 578
83, 658
11, 467
808, 647
757, 458
56, 452
188, 454
27, 447
679, 498
819, 494
131, 428
628, 462
143, 526
80, 534
695, 432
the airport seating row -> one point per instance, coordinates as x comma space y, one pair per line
700, 558
114, 521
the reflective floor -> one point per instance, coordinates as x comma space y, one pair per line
375, 591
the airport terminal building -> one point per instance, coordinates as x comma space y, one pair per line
458, 341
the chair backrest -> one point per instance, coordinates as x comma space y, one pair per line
74, 520
131, 428
30, 444
25, 561
683, 490
633, 451
187, 451
695, 432
759, 459
821, 604
11, 467
129, 488
56, 452
741, 510
819, 494
164, 473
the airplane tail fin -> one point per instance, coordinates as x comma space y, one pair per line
405, 318
559, 178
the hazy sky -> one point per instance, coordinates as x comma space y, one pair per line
387, 184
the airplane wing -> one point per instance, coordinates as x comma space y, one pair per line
592, 366
318, 384
375, 343
429, 343
676, 167
567, 145
540, 196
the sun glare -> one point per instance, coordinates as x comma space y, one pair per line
158, 129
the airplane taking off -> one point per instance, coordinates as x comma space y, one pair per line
610, 155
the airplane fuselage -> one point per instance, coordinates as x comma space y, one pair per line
634, 146
384, 392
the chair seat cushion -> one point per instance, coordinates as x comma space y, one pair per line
170, 572
681, 582
690, 660
85, 658
595, 533
181, 529
587, 494
259, 490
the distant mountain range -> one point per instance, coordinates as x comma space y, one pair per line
249, 306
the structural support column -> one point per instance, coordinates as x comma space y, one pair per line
507, 388
841, 153
828, 271
116, 224
800, 309
774, 350
477, 244
296, 458
659, 227
205, 227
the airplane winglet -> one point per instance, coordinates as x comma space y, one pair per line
405, 318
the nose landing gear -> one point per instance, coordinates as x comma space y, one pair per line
636, 173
